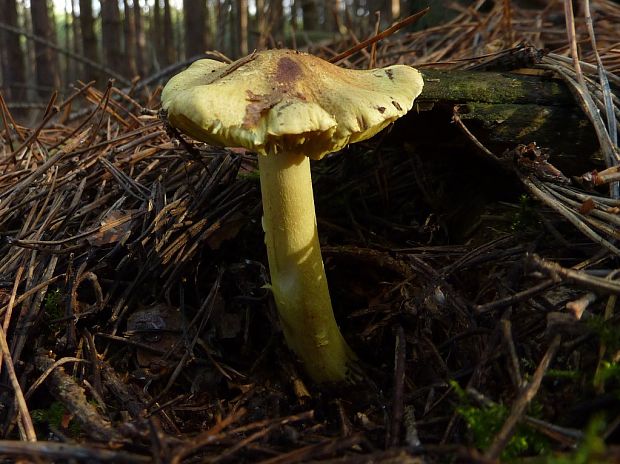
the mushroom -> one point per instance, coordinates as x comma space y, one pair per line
288, 107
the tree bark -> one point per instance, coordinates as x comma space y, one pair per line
111, 35
12, 54
46, 60
89, 39
195, 25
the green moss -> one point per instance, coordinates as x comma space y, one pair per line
484, 422
526, 216
608, 333
253, 176
563, 374
607, 375
54, 416
492, 87
53, 304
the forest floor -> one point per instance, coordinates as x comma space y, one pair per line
478, 287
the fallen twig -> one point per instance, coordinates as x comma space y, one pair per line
521, 403
561, 273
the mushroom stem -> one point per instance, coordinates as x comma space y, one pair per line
298, 280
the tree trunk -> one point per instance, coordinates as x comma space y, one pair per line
439, 13
352, 15
68, 63
12, 54
140, 42
30, 78
276, 20
111, 34
220, 27
395, 10
89, 39
296, 18
232, 47
331, 10
261, 25
195, 25
242, 26
46, 61
177, 28
168, 37
310, 14
129, 34
76, 36
384, 7
156, 49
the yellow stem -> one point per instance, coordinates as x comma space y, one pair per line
298, 278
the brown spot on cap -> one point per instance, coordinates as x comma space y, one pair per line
397, 105
381, 109
288, 71
257, 106
390, 74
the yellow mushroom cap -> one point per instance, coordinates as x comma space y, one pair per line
285, 101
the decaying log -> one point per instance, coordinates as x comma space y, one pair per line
66, 390
506, 109
493, 87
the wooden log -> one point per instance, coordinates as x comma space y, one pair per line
493, 87
506, 109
